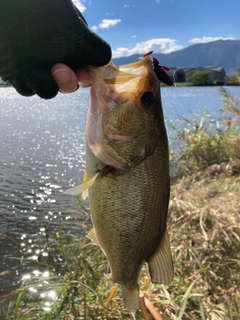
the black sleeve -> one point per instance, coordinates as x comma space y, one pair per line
36, 34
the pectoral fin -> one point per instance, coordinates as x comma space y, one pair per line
161, 264
85, 192
75, 191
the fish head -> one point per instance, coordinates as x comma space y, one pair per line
125, 114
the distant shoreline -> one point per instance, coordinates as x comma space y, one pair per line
5, 85
187, 84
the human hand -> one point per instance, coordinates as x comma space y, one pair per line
67, 80
36, 35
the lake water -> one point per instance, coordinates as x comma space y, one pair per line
42, 154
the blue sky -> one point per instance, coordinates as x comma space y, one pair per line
138, 26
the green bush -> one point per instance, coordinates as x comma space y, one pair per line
234, 80
199, 78
200, 144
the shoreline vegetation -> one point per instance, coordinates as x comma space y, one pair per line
198, 78
5, 85
203, 222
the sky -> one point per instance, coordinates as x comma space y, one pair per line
138, 26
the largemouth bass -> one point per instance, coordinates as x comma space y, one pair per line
127, 165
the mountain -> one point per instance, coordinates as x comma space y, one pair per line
221, 53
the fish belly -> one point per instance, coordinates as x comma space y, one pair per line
129, 213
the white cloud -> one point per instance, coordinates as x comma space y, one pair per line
163, 45
105, 24
209, 39
133, 36
94, 28
108, 23
79, 4
129, 6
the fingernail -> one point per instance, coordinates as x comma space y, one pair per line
76, 89
61, 75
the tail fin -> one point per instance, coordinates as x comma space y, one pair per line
130, 298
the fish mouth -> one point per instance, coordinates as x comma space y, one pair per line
117, 95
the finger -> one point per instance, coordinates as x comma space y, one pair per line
32, 78
65, 78
83, 78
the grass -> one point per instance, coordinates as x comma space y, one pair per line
201, 144
204, 225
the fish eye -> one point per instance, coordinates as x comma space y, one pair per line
148, 99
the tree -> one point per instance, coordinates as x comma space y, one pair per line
199, 78
235, 79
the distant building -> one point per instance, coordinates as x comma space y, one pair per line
179, 75
217, 75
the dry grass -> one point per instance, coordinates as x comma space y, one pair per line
205, 230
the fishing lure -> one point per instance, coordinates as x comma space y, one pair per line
160, 71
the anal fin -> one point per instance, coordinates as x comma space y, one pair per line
130, 297
161, 264
92, 235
